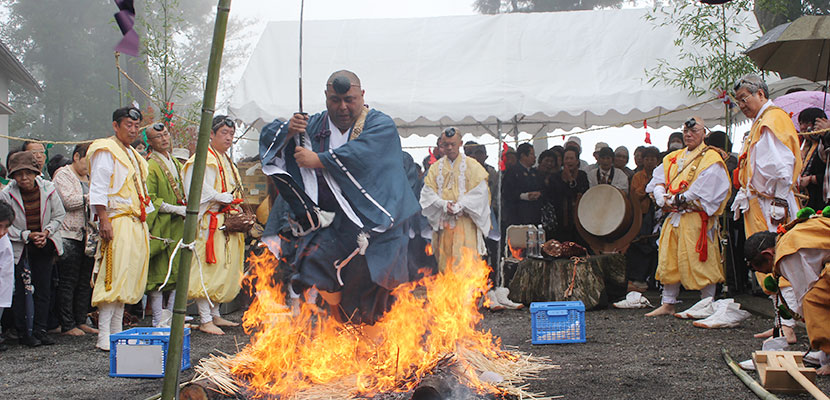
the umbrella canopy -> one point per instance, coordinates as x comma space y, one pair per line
794, 103
800, 48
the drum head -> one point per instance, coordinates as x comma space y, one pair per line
602, 210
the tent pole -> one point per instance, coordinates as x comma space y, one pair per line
174, 357
499, 263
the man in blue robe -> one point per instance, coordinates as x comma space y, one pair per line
344, 199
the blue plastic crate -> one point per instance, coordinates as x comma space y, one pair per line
142, 352
557, 322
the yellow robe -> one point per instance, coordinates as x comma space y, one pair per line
678, 259
130, 246
221, 280
448, 241
813, 234
779, 122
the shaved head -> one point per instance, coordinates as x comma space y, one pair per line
351, 79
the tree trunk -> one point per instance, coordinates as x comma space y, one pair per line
596, 280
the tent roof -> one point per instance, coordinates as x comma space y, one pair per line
549, 70
16, 71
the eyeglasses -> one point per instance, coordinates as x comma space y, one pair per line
227, 122
449, 132
134, 114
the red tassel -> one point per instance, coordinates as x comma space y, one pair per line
210, 252
648, 135
503, 158
432, 158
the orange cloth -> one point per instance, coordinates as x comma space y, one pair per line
813, 233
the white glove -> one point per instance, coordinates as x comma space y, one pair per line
454, 208
224, 198
171, 209
659, 195
179, 210
740, 204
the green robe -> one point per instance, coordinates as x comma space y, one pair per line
163, 225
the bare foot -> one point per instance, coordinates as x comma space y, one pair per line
74, 332
219, 321
664, 309
88, 329
211, 328
824, 370
763, 335
789, 333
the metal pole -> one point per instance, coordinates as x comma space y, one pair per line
174, 355
499, 263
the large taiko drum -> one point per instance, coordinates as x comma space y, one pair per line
605, 212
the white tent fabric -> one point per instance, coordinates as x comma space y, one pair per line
548, 70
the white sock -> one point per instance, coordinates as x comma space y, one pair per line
670, 293
708, 291
171, 300
156, 300
204, 311
105, 311
117, 324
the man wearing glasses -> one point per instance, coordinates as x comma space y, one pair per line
118, 193
768, 170
692, 187
39, 152
166, 224
344, 197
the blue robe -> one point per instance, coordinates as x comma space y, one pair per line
370, 174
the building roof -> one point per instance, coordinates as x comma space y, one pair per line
16, 71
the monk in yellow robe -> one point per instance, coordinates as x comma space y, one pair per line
118, 192
801, 255
456, 201
768, 171
216, 272
692, 185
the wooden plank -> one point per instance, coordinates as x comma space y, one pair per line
773, 371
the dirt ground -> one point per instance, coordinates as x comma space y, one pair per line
627, 356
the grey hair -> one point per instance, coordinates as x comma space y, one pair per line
752, 82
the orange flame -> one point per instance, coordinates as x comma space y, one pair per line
289, 354
428, 249
515, 253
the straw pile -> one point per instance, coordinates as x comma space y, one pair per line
513, 366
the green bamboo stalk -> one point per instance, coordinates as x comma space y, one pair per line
174, 354
752, 384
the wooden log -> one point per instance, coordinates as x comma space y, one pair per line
548, 280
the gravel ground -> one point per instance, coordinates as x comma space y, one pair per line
627, 356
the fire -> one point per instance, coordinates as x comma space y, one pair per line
291, 354
515, 253
428, 249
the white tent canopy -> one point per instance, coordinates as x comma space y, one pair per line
546, 70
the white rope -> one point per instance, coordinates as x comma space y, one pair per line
362, 244
192, 247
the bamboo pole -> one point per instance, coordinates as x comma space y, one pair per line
752, 384
174, 355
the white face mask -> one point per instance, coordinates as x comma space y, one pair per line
675, 146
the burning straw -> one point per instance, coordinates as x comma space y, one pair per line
310, 356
